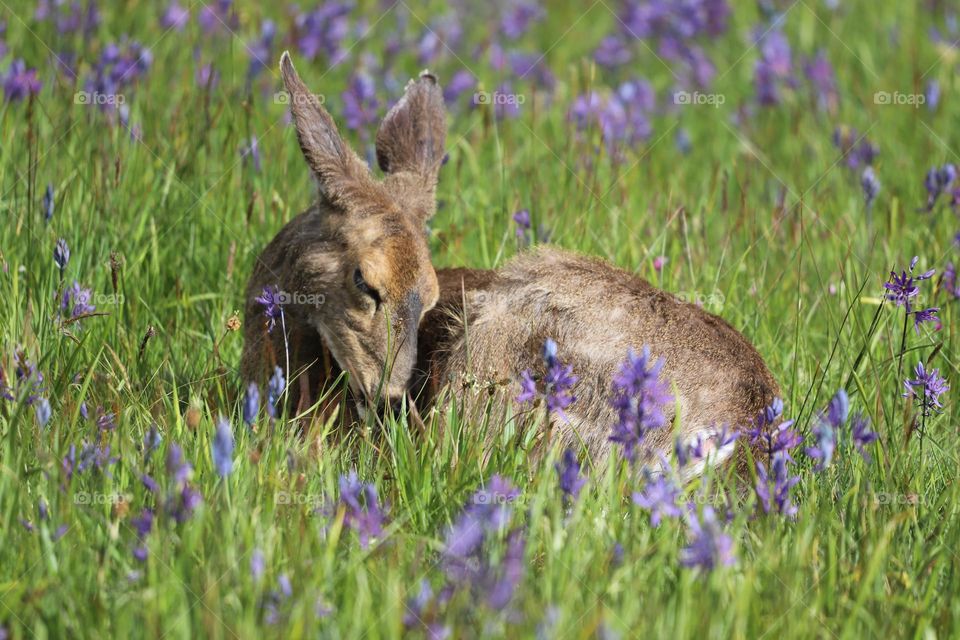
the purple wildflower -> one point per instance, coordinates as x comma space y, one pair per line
251, 404
488, 510
559, 380
522, 220
20, 82
419, 613
322, 31
861, 434
710, 547
251, 152
362, 512
902, 288
639, 397
257, 565
275, 387
825, 433
519, 16
218, 15
774, 67
856, 149
461, 82
75, 301
177, 466
360, 102
501, 583
823, 81
612, 52
568, 470
661, 497
871, 186
29, 381
926, 389
932, 95
259, 51
207, 77
48, 202
149, 483
175, 17
950, 282
924, 315
223, 447
43, 412
142, 525
272, 300
61, 255
774, 493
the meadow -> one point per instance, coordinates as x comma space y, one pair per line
772, 161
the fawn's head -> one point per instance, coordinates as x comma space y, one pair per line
370, 260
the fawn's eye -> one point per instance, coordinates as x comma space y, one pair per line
365, 288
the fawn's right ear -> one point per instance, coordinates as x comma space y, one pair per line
334, 163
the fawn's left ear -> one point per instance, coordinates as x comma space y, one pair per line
412, 135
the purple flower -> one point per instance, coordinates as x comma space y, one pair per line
175, 17
568, 471
774, 67
612, 52
257, 565
177, 466
360, 102
48, 202
871, 186
272, 300
861, 434
217, 15
61, 255
251, 404
275, 387
142, 525
251, 152
950, 282
926, 389
362, 512
223, 447
43, 412
639, 397
75, 301
774, 493
932, 95
183, 503
518, 17
709, 547
488, 510
151, 441
461, 82
20, 82
322, 31
856, 149
902, 288
29, 381
661, 497
522, 220
149, 483
528, 388
559, 380
501, 583
823, 80
206, 76
418, 613
259, 51
924, 315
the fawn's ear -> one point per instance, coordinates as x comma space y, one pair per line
336, 166
412, 135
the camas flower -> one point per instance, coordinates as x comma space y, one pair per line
522, 220
20, 82
322, 31
48, 202
272, 300
360, 104
661, 497
568, 470
639, 397
251, 403
222, 447
558, 380
902, 288
175, 17
361, 506
924, 315
871, 186
861, 434
709, 547
75, 301
275, 388
926, 389
825, 433
61, 255
774, 493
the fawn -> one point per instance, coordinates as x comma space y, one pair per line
354, 270
363, 247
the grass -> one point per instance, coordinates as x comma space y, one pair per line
762, 220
